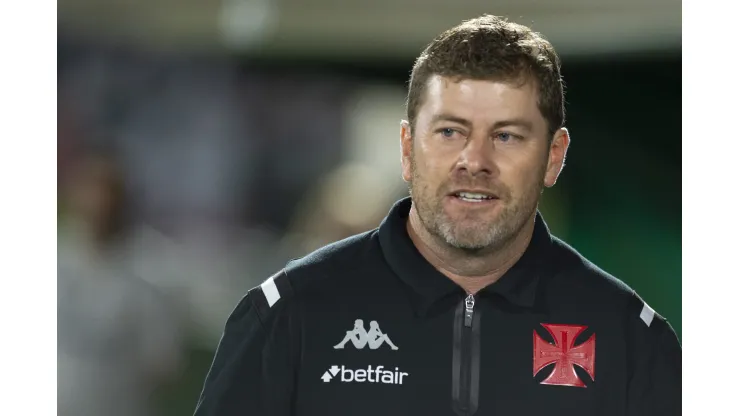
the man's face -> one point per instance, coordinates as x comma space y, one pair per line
478, 160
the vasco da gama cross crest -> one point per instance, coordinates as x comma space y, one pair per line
565, 354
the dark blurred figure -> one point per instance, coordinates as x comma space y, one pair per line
117, 336
96, 200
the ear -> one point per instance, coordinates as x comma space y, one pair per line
407, 144
556, 157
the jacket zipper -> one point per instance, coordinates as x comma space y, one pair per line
469, 305
466, 358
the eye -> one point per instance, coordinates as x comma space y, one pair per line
447, 132
506, 137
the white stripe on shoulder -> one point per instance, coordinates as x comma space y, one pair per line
271, 291
647, 314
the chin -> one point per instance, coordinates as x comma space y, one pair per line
468, 237
474, 219
471, 246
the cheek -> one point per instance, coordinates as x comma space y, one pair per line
522, 175
430, 170
435, 159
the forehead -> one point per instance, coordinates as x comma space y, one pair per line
481, 100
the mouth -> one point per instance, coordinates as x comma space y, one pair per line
473, 196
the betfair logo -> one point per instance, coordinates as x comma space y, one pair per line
369, 375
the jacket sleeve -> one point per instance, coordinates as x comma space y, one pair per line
655, 363
253, 369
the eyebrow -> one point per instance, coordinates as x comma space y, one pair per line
516, 122
448, 117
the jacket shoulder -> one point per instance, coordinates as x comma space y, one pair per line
575, 270
593, 287
316, 268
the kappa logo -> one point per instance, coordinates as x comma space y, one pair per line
360, 338
565, 354
362, 375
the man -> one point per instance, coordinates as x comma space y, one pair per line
490, 313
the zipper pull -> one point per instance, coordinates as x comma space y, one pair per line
469, 305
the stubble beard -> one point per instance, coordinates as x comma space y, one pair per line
470, 234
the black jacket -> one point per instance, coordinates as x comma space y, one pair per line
366, 326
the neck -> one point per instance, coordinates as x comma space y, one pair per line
470, 270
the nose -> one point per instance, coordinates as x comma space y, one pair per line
476, 158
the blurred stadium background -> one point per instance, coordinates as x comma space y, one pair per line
249, 132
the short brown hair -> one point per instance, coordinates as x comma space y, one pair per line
492, 48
